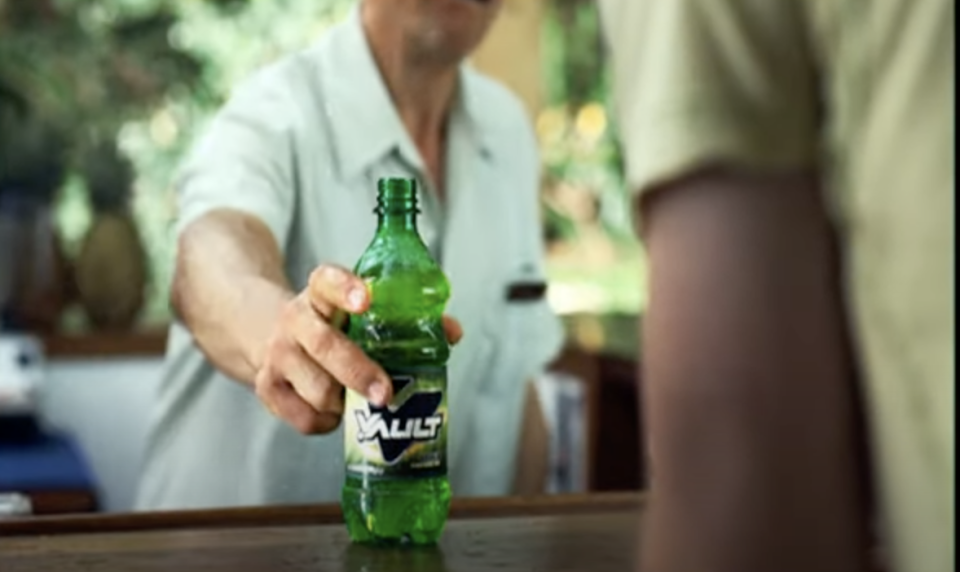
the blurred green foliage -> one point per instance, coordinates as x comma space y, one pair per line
579, 142
595, 263
147, 74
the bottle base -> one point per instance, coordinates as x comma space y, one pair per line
396, 513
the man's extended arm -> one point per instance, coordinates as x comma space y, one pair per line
230, 291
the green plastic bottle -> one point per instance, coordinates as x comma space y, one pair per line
396, 489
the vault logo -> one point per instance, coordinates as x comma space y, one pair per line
396, 428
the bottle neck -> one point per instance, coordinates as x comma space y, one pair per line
400, 220
396, 206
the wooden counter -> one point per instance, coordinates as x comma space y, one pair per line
104, 345
574, 533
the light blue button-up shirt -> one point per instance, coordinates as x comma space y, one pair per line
301, 145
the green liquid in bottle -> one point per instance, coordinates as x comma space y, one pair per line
396, 489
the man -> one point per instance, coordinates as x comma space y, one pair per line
756, 132
277, 200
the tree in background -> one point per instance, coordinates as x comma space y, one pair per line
89, 67
143, 75
72, 74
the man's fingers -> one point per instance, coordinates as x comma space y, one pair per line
333, 288
452, 329
344, 360
311, 382
334, 291
283, 401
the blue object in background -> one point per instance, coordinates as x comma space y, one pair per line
51, 463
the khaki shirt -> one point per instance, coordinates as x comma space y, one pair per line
864, 89
301, 145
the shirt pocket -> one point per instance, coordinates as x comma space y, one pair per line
513, 328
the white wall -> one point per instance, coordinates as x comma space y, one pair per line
105, 405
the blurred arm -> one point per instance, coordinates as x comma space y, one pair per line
746, 381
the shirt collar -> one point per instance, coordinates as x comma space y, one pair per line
364, 123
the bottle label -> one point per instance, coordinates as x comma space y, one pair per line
408, 437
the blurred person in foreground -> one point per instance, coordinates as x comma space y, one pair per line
277, 200
793, 168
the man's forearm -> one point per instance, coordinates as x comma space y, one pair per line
746, 388
229, 289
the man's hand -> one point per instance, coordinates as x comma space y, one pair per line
231, 292
308, 361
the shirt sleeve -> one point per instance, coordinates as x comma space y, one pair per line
706, 82
244, 160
